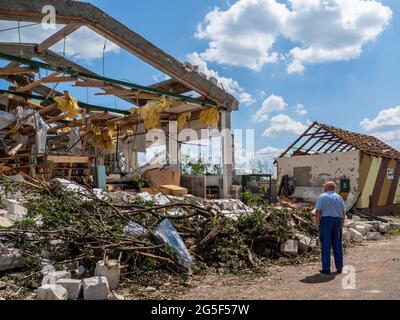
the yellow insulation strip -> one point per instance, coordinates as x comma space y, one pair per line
69, 106
183, 118
209, 117
103, 140
150, 113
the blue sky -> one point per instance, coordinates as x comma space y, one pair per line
347, 77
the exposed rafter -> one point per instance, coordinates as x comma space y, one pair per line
86, 14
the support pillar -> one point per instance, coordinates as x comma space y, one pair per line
227, 153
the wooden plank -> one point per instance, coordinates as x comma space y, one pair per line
67, 159
56, 37
173, 190
37, 82
92, 84
15, 70
59, 79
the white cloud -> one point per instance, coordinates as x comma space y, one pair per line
386, 126
228, 84
269, 152
271, 104
333, 30
244, 34
83, 44
322, 30
300, 109
387, 117
391, 137
282, 125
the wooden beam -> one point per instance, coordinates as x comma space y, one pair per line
89, 15
37, 82
62, 33
15, 70
67, 159
92, 84
59, 79
298, 139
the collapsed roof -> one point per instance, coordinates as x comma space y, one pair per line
322, 138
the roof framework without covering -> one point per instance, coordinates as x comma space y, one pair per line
321, 138
75, 14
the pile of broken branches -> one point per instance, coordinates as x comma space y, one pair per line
71, 228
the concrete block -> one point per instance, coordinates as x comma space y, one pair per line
290, 247
73, 287
111, 270
52, 292
53, 276
95, 288
355, 235
304, 242
14, 207
115, 296
373, 224
384, 227
362, 228
5, 222
10, 258
374, 236
349, 223
346, 235
356, 218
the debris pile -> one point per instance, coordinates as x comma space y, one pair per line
82, 242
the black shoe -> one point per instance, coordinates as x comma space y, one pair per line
324, 272
339, 271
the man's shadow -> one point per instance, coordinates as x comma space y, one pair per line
319, 278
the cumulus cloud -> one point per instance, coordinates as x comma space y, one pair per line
269, 152
386, 118
244, 34
300, 109
322, 30
283, 125
83, 44
271, 104
385, 126
228, 84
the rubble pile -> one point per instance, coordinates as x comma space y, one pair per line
82, 242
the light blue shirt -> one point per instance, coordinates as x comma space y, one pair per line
330, 204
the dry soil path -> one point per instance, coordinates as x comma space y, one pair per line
377, 266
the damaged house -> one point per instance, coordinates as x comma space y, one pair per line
48, 133
366, 170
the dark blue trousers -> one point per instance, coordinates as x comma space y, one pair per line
331, 237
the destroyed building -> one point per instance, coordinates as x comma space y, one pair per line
366, 170
49, 134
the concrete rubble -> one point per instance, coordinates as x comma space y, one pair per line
290, 247
95, 288
73, 287
358, 229
109, 269
188, 218
10, 258
52, 292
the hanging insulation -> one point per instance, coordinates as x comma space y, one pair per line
182, 119
151, 111
69, 106
209, 117
103, 139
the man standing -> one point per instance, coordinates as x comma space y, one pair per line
330, 216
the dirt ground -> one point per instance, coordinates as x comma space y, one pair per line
377, 266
